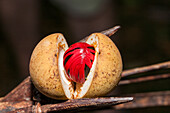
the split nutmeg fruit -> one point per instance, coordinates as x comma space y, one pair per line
89, 68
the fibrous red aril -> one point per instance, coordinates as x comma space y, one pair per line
78, 60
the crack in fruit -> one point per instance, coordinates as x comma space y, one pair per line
78, 60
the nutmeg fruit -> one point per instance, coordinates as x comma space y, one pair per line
60, 72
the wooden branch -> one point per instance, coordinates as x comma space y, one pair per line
144, 79
143, 100
139, 70
12, 106
77, 105
111, 31
108, 32
23, 92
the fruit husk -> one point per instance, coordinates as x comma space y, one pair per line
108, 68
44, 67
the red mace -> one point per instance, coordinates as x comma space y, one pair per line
78, 60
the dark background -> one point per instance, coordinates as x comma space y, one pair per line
144, 37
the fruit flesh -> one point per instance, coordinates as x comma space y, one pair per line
44, 68
108, 67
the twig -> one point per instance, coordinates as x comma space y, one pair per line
111, 31
78, 104
108, 32
12, 106
143, 100
86, 103
23, 92
144, 79
146, 69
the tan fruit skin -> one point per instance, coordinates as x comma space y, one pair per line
44, 68
108, 68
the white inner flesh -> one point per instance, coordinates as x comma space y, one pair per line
80, 90
66, 84
93, 40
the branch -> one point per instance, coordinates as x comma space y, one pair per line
108, 32
23, 92
77, 105
139, 70
12, 106
144, 79
111, 31
143, 100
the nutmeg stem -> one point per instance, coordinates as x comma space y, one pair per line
111, 31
